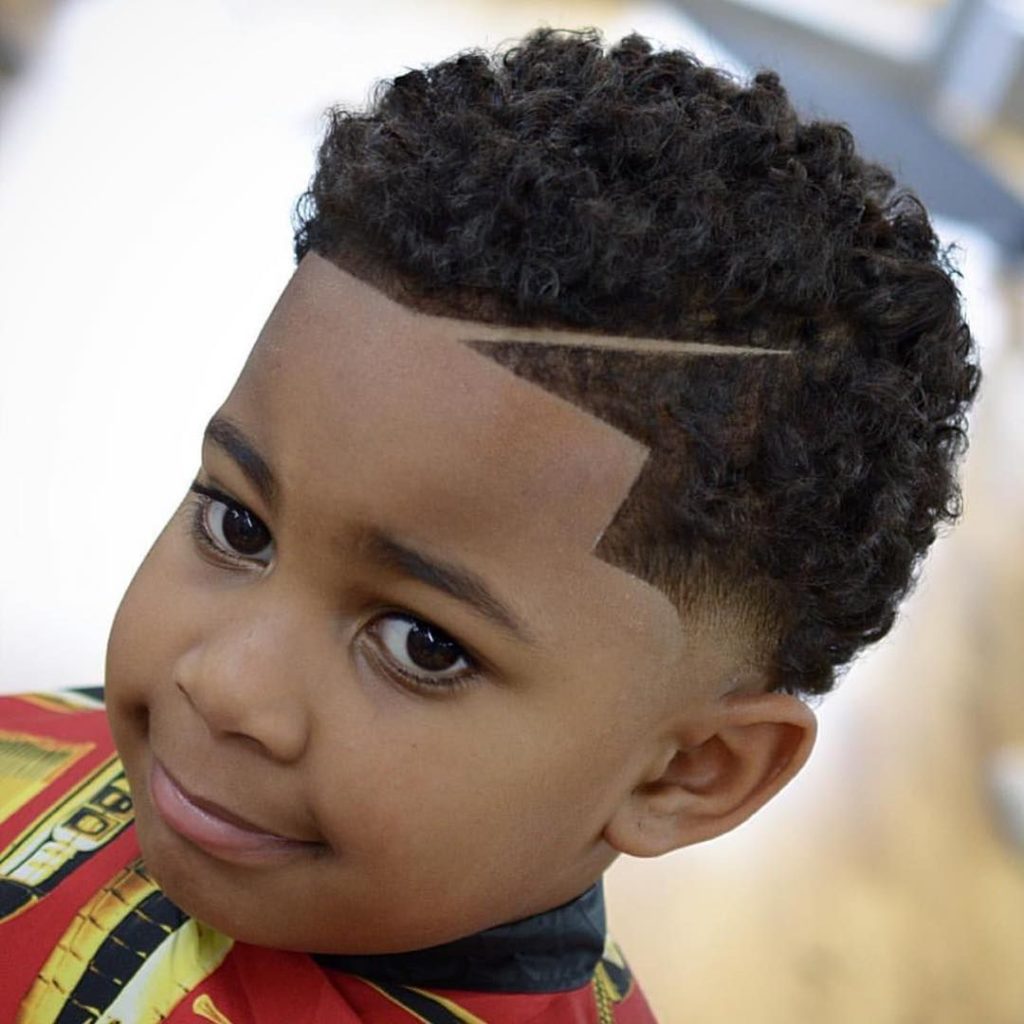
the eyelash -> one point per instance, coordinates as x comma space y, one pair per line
203, 497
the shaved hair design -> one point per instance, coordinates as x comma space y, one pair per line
672, 411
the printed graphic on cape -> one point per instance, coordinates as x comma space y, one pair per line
129, 954
29, 763
68, 833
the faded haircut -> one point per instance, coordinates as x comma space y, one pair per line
629, 191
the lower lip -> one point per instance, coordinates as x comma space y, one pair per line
212, 834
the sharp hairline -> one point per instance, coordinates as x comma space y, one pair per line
230, 438
456, 581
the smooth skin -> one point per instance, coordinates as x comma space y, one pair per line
378, 629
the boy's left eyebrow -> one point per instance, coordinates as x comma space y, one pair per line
455, 581
225, 435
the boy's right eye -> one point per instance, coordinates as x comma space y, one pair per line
230, 530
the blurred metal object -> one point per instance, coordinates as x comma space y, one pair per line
983, 54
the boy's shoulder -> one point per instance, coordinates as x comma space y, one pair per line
90, 929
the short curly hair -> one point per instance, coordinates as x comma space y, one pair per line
638, 192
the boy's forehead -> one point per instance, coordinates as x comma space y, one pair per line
387, 416
456, 439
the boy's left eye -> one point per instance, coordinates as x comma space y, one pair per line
421, 650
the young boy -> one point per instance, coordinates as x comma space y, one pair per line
608, 413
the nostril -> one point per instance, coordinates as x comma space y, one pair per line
237, 693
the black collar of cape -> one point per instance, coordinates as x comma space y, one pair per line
553, 951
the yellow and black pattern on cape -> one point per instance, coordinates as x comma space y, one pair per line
29, 763
128, 957
424, 1006
86, 818
612, 981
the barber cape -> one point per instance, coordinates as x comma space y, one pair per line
87, 937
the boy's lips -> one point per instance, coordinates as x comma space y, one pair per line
215, 829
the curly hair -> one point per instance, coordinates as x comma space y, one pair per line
638, 192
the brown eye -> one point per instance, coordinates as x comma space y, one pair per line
430, 649
244, 532
421, 649
237, 531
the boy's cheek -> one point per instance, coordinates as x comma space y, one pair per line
145, 627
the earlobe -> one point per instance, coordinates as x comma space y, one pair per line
717, 776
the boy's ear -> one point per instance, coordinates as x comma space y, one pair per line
716, 775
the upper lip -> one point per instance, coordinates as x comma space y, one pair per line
220, 811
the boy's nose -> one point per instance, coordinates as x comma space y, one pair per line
240, 680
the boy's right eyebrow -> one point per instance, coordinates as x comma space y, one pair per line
226, 436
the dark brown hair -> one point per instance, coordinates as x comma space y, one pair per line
639, 192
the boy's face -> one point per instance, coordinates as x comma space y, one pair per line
399, 650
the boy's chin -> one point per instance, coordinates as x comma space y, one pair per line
241, 903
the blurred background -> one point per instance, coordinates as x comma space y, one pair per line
150, 155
